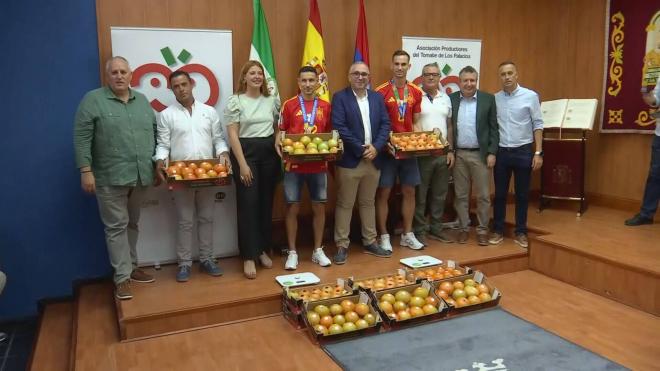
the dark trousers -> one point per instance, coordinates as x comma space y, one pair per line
255, 203
652, 190
516, 161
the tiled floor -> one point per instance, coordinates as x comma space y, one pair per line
15, 350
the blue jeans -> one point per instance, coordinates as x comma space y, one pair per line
406, 170
516, 161
652, 190
317, 185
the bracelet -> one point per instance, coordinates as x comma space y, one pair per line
85, 171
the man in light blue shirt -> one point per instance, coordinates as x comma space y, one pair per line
652, 190
474, 127
520, 124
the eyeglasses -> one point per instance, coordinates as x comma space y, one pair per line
428, 74
359, 74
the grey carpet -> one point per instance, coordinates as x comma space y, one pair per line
492, 340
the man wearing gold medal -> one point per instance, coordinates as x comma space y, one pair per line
403, 101
305, 114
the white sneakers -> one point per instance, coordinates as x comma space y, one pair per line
318, 257
291, 261
410, 241
385, 242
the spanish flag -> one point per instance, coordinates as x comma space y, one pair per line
314, 54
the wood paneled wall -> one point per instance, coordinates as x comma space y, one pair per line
558, 46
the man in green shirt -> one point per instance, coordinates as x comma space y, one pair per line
114, 142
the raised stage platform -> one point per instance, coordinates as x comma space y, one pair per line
231, 322
597, 252
168, 306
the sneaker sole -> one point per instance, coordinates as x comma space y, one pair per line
178, 280
495, 242
129, 297
340, 262
412, 248
290, 268
213, 274
521, 244
441, 240
144, 281
317, 262
374, 254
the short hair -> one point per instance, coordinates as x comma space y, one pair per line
468, 69
114, 58
178, 73
304, 69
429, 65
400, 52
242, 83
507, 63
357, 63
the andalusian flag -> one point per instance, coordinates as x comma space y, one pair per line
314, 55
261, 50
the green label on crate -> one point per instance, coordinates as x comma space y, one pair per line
287, 283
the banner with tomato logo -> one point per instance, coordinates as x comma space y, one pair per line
154, 53
450, 54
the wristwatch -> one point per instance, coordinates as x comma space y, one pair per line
538, 153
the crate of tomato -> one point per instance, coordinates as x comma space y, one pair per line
467, 293
298, 148
410, 304
294, 299
417, 144
197, 173
336, 319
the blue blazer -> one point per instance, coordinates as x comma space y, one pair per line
347, 120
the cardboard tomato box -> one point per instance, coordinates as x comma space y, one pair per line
417, 144
393, 322
174, 181
382, 282
438, 272
288, 154
479, 278
362, 297
294, 299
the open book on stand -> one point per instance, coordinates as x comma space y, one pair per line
569, 113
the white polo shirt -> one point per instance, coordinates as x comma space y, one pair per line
435, 112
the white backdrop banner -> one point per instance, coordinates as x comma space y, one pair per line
450, 54
206, 55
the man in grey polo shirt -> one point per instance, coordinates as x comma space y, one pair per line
114, 141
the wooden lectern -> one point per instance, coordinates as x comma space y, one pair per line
565, 150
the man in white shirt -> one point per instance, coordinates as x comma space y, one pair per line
360, 117
434, 171
191, 130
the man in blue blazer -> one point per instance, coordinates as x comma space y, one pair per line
360, 117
